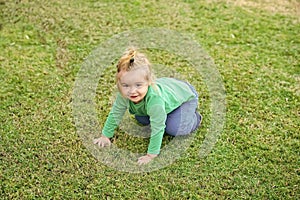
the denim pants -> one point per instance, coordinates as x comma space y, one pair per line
181, 121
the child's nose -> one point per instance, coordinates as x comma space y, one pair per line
132, 90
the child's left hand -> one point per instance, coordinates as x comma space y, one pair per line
146, 159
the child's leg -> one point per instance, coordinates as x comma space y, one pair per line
144, 120
183, 120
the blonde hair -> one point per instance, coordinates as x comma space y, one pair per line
133, 60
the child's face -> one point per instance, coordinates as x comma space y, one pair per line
133, 85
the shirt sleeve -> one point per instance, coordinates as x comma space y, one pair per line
158, 118
115, 116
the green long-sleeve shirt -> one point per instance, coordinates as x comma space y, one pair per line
161, 99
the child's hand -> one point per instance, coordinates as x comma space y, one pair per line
102, 141
146, 159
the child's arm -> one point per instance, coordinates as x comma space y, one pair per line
112, 121
158, 118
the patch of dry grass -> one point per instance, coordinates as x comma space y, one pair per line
285, 7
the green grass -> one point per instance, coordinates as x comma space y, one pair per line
43, 45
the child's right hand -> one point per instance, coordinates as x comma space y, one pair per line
102, 141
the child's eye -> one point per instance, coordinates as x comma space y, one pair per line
139, 85
124, 85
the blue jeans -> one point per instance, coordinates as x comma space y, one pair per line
181, 121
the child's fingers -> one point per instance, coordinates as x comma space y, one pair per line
140, 162
144, 160
98, 141
102, 142
95, 141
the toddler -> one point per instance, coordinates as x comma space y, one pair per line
168, 105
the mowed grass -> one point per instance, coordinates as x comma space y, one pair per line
256, 50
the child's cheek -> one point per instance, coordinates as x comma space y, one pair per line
124, 92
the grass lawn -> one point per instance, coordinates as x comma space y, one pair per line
255, 46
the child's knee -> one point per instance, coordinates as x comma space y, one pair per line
184, 126
171, 130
